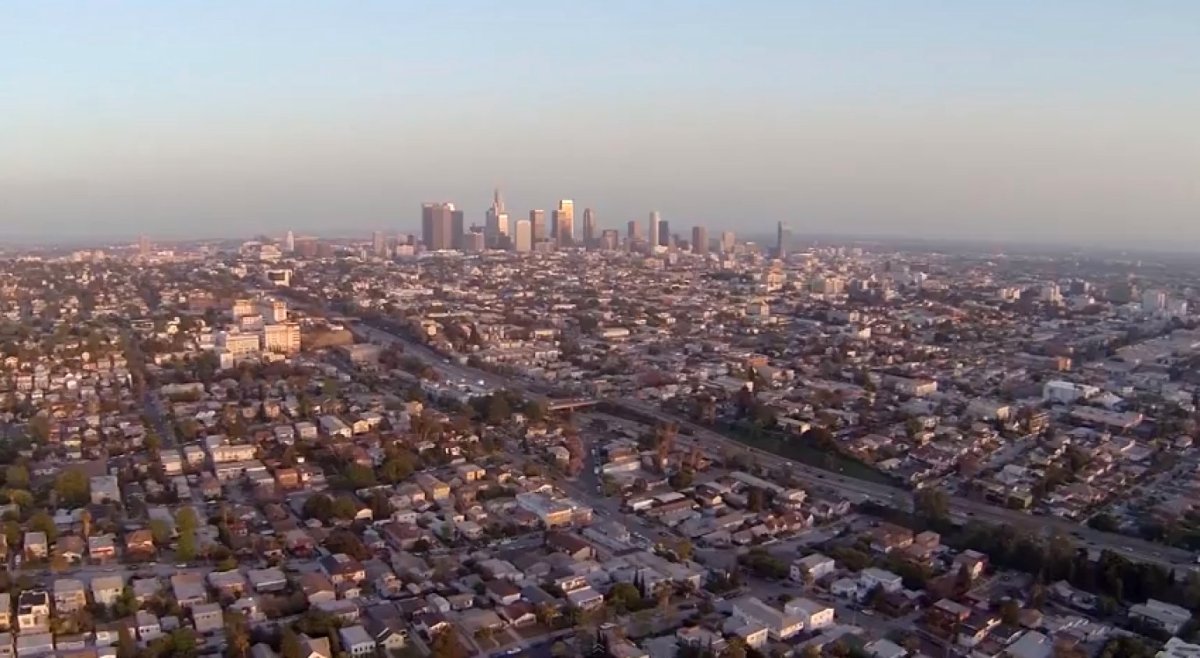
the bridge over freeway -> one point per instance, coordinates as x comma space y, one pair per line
570, 404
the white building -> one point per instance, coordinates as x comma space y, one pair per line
815, 616
780, 626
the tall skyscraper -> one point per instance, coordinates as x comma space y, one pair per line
496, 227
379, 245
437, 225
523, 236
289, 242
564, 223
537, 219
457, 229
632, 232
727, 242
782, 235
664, 232
144, 246
589, 228
655, 220
609, 239
699, 240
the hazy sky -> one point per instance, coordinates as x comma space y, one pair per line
996, 119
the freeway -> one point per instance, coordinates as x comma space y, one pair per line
960, 508
852, 489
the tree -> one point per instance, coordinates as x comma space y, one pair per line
71, 486
319, 507
445, 645
126, 645
625, 597
932, 504
359, 476
735, 649
289, 644
237, 634
42, 522
397, 467
161, 531
16, 477
186, 519
344, 507
186, 550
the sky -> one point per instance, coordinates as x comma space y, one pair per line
1067, 121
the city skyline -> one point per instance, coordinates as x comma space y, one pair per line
994, 121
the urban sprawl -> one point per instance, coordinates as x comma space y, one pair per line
523, 439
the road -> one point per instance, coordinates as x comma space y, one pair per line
852, 489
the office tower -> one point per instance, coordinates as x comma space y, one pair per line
496, 227
589, 228
699, 240
727, 242
289, 242
537, 221
782, 235
664, 232
457, 228
609, 239
523, 236
473, 240
379, 245
632, 232
655, 225
437, 224
143, 246
564, 223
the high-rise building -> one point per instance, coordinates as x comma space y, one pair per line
523, 236
655, 225
564, 223
699, 240
609, 239
437, 226
664, 232
589, 228
144, 246
727, 242
496, 227
379, 245
289, 242
457, 228
782, 237
632, 232
537, 221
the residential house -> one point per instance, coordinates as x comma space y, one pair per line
813, 615
208, 618
148, 626
69, 595
356, 641
33, 611
36, 546
107, 589
815, 567
1167, 617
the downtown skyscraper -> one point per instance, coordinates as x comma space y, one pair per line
699, 240
437, 226
537, 221
589, 228
655, 220
564, 223
496, 228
